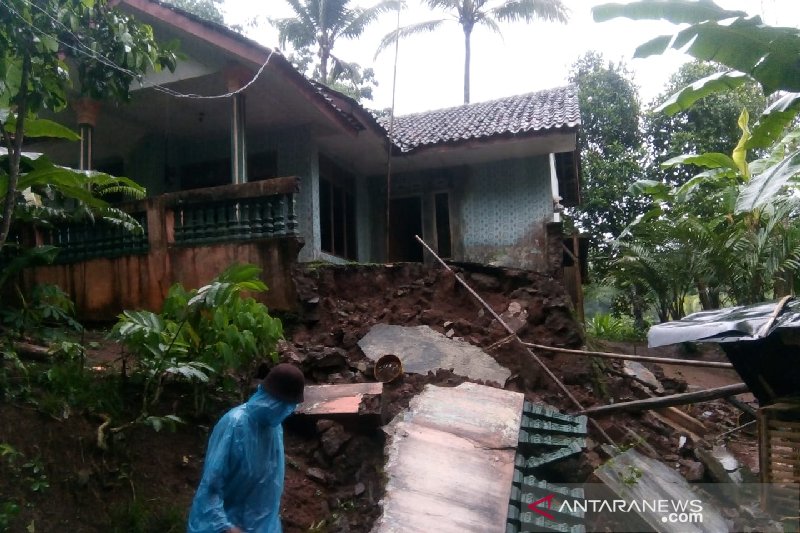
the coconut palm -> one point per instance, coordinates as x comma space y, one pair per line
471, 13
320, 23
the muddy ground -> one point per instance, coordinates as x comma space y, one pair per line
145, 480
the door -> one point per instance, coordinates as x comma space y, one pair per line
405, 221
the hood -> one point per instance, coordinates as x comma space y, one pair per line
267, 410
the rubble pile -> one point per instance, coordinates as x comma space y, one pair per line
340, 307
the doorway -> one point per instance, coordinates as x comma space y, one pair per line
405, 221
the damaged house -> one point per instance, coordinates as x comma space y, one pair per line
279, 169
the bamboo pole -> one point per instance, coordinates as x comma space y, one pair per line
628, 357
612, 355
502, 322
667, 401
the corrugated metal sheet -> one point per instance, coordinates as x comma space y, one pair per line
450, 461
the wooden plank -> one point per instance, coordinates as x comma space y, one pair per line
346, 399
792, 462
780, 424
788, 436
684, 420
677, 427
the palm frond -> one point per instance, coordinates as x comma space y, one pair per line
365, 16
530, 10
407, 31
294, 31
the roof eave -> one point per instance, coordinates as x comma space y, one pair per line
243, 48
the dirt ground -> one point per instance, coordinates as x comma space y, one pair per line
334, 477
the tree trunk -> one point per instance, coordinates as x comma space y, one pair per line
15, 151
467, 56
324, 56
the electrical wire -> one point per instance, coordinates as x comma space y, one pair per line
100, 58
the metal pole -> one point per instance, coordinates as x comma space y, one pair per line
515, 336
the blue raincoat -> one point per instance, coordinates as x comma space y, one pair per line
243, 474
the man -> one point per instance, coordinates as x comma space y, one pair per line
242, 483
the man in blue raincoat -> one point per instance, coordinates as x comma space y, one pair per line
242, 483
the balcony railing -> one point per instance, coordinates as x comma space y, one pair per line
79, 242
251, 211
236, 212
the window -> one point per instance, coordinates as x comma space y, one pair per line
337, 210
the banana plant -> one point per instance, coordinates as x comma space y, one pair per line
751, 49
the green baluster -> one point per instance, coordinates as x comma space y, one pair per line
220, 223
245, 208
277, 218
178, 223
195, 219
232, 216
291, 222
256, 218
268, 227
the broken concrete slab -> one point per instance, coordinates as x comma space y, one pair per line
450, 463
721, 464
422, 349
361, 399
633, 477
642, 374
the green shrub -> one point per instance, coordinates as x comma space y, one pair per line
608, 327
202, 335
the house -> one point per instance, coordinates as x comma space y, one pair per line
245, 159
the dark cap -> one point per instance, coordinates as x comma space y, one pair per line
285, 382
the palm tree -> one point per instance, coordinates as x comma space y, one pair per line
321, 22
471, 13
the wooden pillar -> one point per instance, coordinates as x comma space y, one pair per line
576, 251
86, 110
236, 78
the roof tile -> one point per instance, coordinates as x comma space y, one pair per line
526, 113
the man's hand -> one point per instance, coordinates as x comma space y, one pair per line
235, 529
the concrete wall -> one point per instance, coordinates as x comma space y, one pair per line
104, 287
499, 211
504, 207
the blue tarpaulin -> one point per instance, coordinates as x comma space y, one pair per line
243, 474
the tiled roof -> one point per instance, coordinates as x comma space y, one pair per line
526, 113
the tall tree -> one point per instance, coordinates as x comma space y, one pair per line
472, 13
610, 145
320, 23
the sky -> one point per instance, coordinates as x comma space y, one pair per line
528, 57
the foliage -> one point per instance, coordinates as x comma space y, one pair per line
470, 14
319, 24
205, 9
28, 474
47, 310
610, 148
201, 335
35, 41
694, 239
766, 54
348, 78
612, 328
709, 126
137, 517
